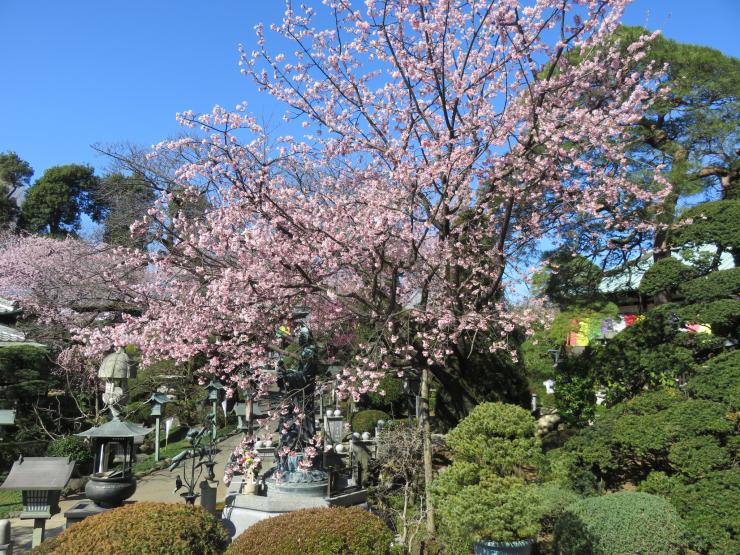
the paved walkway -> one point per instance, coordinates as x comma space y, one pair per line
158, 486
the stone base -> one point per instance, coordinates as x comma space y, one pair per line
242, 511
81, 511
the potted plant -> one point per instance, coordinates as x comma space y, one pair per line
497, 516
484, 500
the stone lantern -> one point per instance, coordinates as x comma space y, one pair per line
113, 479
157, 401
214, 388
115, 371
41, 479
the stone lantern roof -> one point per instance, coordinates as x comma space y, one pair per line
116, 428
116, 366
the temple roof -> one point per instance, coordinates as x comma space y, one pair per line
8, 306
11, 335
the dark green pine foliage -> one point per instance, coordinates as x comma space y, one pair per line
693, 129
55, 202
15, 174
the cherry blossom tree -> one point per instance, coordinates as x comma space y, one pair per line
445, 142
66, 287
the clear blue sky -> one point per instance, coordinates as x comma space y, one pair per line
78, 72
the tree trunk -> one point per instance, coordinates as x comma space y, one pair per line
426, 431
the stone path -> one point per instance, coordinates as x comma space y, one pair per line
157, 486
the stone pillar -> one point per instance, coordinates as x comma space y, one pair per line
6, 542
208, 496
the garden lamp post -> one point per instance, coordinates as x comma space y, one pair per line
157, 401
215, 388
41, 480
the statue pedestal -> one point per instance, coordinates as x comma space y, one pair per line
208, 496
242, 511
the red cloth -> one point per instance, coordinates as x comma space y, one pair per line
629, 319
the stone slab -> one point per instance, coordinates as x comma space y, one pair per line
81, 511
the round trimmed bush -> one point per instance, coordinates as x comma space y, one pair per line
161, 528
624, 523
365, 420
498, 436
349, 531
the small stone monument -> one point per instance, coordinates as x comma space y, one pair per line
115, 370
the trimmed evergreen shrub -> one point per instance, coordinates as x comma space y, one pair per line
708, 507
718, 380
393, 400
552, 500
665, 276
497, 436
694, 457
499, 509
73, 447
716, 285
336, 530
365, 420
139, 528
624, 523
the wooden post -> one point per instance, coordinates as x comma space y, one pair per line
156, 438
426, 431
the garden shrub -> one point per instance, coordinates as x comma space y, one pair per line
630, 439
718, 380
365, 420
393, 401
694, 457
139, 528
498, 436
567, 470
723, 315
73, 447
708, 507
331, 531
552, 500
716, 285
665, 276
501, 509
624, 523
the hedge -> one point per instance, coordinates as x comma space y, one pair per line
365, 420
331, 531
142, 528
624, 523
